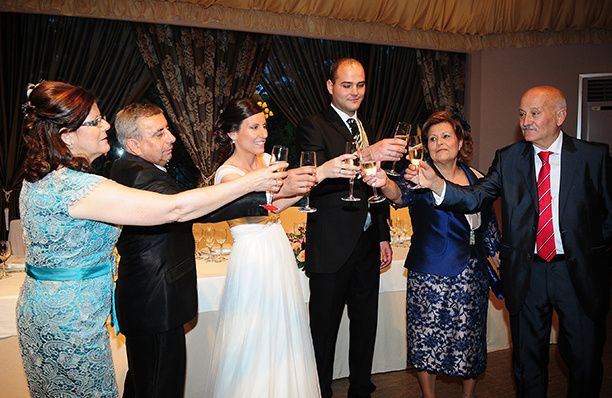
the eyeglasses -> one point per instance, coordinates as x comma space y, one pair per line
94, 122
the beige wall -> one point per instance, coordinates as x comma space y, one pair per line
497, 78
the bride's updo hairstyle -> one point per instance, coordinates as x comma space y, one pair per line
232, 116
50, 108
230, 120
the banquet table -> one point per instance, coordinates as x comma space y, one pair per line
390, 351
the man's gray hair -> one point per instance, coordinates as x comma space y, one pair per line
126, 122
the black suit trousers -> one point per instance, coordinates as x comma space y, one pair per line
156, 365
580, 341
355, 285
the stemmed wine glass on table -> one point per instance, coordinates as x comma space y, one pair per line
221, 237
415, 149
5, 253
279, 154
351, 147
402, 131
368, 165
209, 241
308, 158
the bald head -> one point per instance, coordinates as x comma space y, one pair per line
542, 111
551, 96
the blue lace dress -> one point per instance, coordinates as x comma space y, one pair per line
61, 324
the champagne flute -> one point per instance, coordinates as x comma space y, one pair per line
279, 154
415, 150
308, 158
368, 165
351, 147
5, 253
402, 131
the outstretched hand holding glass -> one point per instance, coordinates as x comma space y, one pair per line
351, 147
308, 158
416, 150
402, 131
369, 168
279, 154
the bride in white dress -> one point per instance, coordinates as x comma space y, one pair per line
263, 346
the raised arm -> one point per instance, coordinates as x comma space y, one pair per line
114, 203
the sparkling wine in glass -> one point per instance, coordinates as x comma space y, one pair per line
402, 131
5, 253
279, 154
416, 149
351, 147
368, 165
308, 158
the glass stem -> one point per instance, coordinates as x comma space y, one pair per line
351, 185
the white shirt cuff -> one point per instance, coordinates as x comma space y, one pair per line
439, 199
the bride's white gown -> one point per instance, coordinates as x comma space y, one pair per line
263, 346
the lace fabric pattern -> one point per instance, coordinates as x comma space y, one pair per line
62, 331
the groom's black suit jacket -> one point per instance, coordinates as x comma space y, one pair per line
156, 288
333, 231
585, 217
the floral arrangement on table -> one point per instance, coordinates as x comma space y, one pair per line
297, 238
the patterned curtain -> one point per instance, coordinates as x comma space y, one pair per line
99, 55
197, 71
443, 79
298, 68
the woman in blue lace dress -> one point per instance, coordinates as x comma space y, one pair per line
447, 294
68, 216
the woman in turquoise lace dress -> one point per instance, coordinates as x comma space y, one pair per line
68, 219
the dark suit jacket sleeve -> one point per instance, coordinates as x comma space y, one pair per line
474, 198
245, 206
142, 176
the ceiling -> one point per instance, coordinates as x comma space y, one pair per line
460, 25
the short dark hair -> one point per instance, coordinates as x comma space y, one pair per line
333, 69
465, 154
50, 108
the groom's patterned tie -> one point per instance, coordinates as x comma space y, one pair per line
355, 131
545, 238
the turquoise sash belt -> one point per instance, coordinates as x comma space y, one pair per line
75, 274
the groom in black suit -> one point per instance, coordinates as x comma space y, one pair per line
156, 290
556, 194
346, 242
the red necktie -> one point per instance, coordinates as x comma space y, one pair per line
545, 238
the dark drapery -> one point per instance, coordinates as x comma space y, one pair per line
99, 55
197, 71
443, 75
298, 68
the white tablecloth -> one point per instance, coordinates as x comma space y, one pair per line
390, 352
